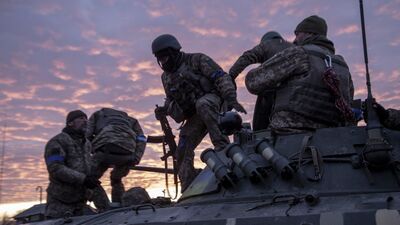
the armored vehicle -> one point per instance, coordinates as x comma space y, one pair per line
332, 176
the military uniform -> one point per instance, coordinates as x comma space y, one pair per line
303, 102
259, 54
117, 140
68, 163
196, 92
393, 119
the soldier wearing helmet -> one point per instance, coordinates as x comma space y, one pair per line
306, 97
270, 44
196, 88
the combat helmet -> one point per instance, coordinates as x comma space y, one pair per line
229, 122
165, 41
271, 35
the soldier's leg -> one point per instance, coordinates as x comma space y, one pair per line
58, 209
263, 110
100, 199
117, 187
190, 136
208, 108
98, 167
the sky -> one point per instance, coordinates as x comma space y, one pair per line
58, 56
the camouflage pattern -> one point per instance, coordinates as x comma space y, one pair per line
275, 71
127, 137
135, 196
68, 162
193, 132
130, 140
259, 54
290, 64
393, 120
206, 108
203, 66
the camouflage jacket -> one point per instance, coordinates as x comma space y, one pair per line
68, 163
129, 137
209, 76
259, 54
393, 120
290, 64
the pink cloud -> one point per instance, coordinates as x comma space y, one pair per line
61, 75
111, 42
48, 8
51, 45
154, 92
395, 42
7, 81
391, 9
59, 65
348, 29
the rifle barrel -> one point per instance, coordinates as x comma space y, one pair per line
152, 169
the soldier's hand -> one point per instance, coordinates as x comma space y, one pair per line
238, 107
159, 111
91, 182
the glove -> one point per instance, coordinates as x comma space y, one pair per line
237, 106
383, 114
91, 182
160, 110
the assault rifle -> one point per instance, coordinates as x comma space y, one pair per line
168, 140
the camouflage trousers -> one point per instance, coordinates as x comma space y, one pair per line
58, 209
118, 172
192, 133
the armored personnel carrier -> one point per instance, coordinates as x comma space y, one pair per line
333, 176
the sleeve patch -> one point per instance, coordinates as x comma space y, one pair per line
141, 138
54, 158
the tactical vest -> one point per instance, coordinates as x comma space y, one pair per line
309, 96
185, 87
107, 116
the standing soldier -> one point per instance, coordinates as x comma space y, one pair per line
196, 88
118, 141
314, 86
68, 162
270, 44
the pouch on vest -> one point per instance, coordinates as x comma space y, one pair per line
175, 112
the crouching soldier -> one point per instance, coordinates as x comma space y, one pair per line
118, 141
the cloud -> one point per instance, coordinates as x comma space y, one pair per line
391, 9
212, 32
154, 92
48, 8
348, 29
395, 42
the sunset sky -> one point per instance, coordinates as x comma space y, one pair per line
58, 56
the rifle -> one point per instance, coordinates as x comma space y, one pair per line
168, 140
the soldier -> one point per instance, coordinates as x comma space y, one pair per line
118, 141
304, 101
195, 88
68, 162
270, 44
390, 118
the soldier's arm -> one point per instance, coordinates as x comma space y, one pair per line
252, 56
393, 120
55, 157
167, 93
140, 140
214, 73
288, 63
91, 127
